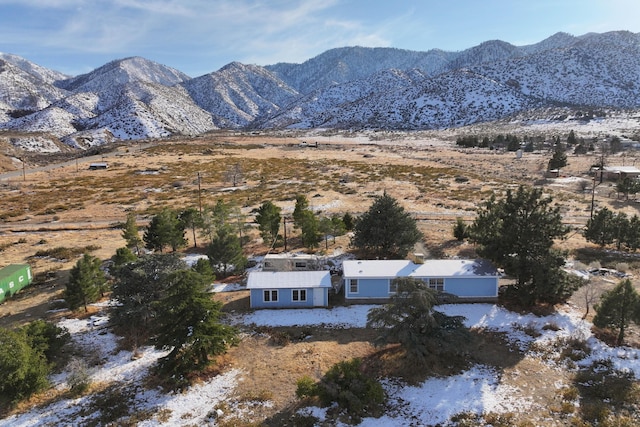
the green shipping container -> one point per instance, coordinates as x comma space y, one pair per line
13, 278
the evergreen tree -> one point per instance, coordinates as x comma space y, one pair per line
225, 253
571, 138
86, 282
517, 233
189, 325
618, 308
268, 219
310, 230
411, 320
24, 369
130, 232
165, 229
628, 186
601, 228
621, 227
460, 230
190, 218
203, 268
46, 338
122, 256
559, 159
325, 227
632, 237
137, 286
215, 217
386, 230
302, 206
348, 221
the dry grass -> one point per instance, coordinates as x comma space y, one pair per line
72, 207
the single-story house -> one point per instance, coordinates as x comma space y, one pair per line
289, 289
290, 262
370, 280
615, 173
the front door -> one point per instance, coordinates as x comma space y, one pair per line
318, 297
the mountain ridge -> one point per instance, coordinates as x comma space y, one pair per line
347, 88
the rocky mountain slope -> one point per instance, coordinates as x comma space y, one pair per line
350, 87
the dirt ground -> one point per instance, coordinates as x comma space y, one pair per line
71, 206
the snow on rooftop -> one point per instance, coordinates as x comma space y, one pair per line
288, 279
405, 268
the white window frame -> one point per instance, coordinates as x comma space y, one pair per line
298, 294
436, 283
393, 287
269, 294
353, 282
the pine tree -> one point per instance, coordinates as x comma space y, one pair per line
137, 286
618, 308
460, 230
310, 229
24, 370
122, 256
268, 219
559, 159
386, 230
165, 229
517, 233
130, 232
189, 325
348, 221
190, 218
302, 206
86, 282
601, 228
225, 253
410, 319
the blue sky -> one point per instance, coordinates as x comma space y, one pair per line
200, 36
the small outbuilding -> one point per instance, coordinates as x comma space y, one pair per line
13, 278
371, 280
289, 289
97, 166
291, 262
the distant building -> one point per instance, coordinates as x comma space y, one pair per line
96, 166
614, 173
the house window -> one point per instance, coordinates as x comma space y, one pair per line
393, 287
301, 264
353, 286
299, 295
267, 264
270, 295
436, 284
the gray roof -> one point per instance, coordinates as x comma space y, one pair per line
288, 279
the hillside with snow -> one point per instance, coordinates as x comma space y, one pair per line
351, 88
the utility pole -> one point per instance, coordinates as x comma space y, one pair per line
199, 195
284, 222
593, 193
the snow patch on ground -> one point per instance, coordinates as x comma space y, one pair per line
476, 390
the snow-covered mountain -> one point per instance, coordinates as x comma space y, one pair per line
350, 87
